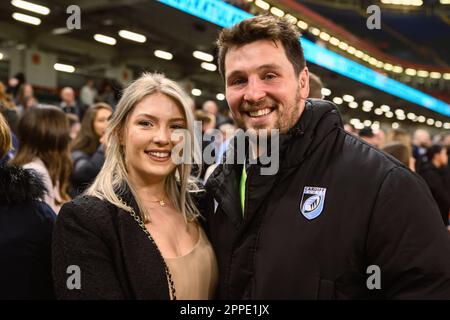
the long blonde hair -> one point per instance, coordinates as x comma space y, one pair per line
113, 176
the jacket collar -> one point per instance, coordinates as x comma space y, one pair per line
18, 185
318, 119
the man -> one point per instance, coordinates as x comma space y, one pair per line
69, 104
436, 175
337, 214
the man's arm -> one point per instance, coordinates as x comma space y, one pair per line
408, 240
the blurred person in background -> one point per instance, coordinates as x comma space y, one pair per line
107, 94
14, 85
87, 151
208, 121
88, 93
368, 136
26, 99
135, 234
26, 225
436, 174
43, 135
211, 107
8, 109
403, 137
421, 142
399, 151
315, 86
380, 138
349, 128
74, 125
69, 104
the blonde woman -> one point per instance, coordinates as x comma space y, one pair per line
135, 233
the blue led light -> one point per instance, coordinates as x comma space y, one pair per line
226, 15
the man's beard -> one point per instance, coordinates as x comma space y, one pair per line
286, 118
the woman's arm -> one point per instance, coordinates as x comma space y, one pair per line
82, 262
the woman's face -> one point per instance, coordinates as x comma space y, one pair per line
148, 138
101, 121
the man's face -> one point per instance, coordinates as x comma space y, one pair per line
262, 89
67, 95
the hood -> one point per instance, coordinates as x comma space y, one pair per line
18, 185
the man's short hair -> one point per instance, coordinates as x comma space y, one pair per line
265, 27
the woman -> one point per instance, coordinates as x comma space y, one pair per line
87, 151
26, 225
135, 233
44, 147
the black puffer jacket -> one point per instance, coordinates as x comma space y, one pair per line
26, 226
336, 206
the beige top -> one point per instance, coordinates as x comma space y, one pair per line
195, 274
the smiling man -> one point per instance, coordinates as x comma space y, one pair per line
337, 209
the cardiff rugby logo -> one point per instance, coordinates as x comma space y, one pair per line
311, 205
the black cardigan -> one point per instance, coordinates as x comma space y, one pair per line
115, 257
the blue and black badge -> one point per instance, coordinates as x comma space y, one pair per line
311, 205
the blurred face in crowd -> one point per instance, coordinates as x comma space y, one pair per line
262, 88
101, 121
210, 106
147, 137
422, 138
68, 95
27, 90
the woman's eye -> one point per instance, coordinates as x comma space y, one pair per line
177, 126
145, 123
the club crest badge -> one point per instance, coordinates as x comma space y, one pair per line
311, 205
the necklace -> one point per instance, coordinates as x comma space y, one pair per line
161, 202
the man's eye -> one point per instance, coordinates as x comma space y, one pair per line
270, 76
177, 126
237, 82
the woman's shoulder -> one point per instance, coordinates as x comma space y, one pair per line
87, 210
89, 204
